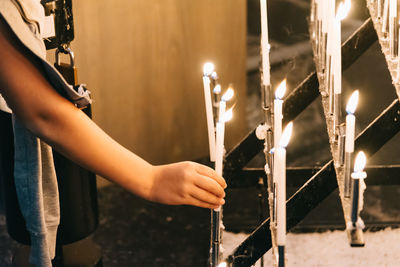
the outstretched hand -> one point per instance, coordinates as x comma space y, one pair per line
188, 183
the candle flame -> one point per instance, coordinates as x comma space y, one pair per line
208, 69
217, 89
280, 91
228, 95
222, 264
352, 104
214, 75
343, 10
287, 133
227, 116
361, 161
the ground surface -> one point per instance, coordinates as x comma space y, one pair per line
330, 249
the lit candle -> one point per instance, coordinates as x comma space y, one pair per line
219, 155
265, 47
278, 116
280, 176
349, 142
224, 116
342, 12
393, 28
208, 70
357, 175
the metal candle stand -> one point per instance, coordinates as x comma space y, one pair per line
323, 182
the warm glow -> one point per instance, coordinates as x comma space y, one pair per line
360, 162
227, 116
217, 89
352, 104
208, 69
280, 91
222, 264
287, 133
343, 10
228, 95
214, 75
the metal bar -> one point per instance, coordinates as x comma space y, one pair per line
358, 43
298, 100
297, 176
318, 187
240, 155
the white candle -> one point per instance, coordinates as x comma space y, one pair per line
280, 175
219, 150
350, 122
208, 70
265, 47
337, 58
342, 12
278, 116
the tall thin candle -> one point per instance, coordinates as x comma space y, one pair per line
349, 142
216, 213
265, 46
280, 175
223, 117
342, 12
208, 70
278, 116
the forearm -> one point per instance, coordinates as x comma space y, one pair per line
83, 141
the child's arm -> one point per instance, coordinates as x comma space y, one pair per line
72, 133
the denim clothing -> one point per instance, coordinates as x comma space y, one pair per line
34, 172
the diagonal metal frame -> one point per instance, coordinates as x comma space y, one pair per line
318, 187
297, 176
323, 182
298, 100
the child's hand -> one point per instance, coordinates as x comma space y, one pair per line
188, 183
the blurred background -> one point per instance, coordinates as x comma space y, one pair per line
143, 61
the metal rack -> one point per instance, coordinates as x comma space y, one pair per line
322, 181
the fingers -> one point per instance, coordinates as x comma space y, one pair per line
207, 171
201, 204
202, 198
209, 185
